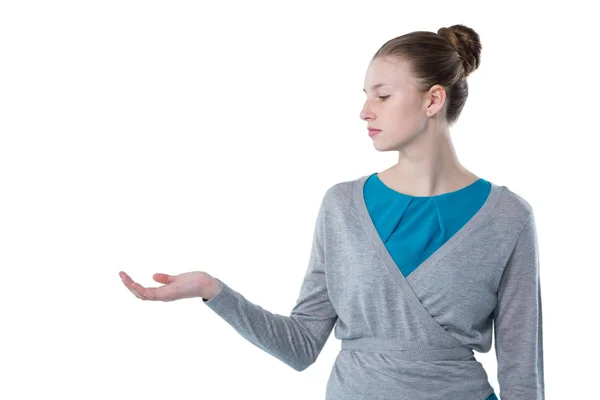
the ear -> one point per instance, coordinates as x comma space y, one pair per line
435, 98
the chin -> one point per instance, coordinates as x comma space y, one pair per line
384, 148
382, 145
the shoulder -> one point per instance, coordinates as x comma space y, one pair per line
513, 208
340, 197
517, 201
341, 190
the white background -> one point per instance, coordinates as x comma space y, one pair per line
180, 136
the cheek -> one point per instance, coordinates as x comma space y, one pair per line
404, 115
404, 121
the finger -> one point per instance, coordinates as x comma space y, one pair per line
163, 293
147, 293
163, 278
136, 293
132, 290
128, 282
125, 277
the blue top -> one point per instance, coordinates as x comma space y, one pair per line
427, 221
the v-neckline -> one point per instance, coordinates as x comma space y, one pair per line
365, 218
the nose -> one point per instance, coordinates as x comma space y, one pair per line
365, 113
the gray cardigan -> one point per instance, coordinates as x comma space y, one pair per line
411, 338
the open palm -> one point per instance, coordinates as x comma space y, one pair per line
186, 285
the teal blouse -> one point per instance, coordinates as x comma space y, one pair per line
413, 227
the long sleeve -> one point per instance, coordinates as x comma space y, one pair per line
518, 321
296, 339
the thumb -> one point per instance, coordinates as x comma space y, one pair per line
163, 278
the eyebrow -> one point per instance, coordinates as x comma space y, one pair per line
376, 86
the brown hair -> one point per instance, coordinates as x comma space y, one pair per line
445, 58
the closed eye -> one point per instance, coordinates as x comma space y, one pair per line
384, 97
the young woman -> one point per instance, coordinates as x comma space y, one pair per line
412, 264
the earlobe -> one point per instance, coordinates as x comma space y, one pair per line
438, 93
433, 97
428, 110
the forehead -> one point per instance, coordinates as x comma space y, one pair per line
386, 74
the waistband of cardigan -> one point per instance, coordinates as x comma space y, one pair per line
406, 350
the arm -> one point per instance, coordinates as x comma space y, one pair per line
297, 339
518, 321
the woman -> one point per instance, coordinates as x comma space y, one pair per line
411, 264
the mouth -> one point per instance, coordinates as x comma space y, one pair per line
373, 132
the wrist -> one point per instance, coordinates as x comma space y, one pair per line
213, 289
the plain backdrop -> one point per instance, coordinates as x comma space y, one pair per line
179, 136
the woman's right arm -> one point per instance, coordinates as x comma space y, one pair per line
296, 339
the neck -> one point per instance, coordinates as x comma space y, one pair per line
429, 166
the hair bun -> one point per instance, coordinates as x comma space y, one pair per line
466, 42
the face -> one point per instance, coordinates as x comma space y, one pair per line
397, 107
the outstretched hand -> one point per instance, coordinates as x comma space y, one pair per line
186, 285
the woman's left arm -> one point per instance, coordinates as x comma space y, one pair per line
518, 321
